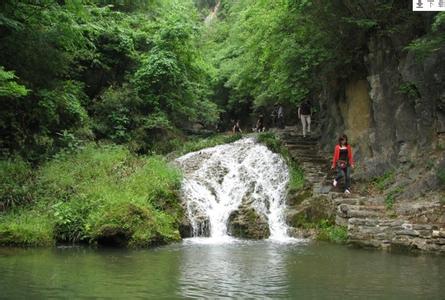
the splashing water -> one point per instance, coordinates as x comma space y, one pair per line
218, 180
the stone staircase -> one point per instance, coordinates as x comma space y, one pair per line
306, 152
369, 223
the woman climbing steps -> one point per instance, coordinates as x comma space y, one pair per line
343, 161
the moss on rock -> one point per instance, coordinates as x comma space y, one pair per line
311, 211
247, 223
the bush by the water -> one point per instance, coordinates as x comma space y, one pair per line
15, 183
328, 231
101, 194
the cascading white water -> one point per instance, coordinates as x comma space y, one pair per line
218, 179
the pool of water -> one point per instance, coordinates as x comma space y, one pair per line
235, 269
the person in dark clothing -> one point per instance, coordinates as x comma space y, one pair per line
260, 124
237, 128
304, 114
280, 117
274, 115
343, 161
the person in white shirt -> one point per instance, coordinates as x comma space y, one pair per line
304, 114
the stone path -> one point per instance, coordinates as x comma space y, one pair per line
368, 221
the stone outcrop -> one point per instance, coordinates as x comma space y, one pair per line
393, 113
412, 225
246, 223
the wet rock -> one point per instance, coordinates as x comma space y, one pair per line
311, 211
247, 223
298, 197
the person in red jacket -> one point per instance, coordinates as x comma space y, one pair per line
343, 161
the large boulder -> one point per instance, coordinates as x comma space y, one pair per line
246, 223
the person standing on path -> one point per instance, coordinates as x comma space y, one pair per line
260, 124
274, 114
304, 114
236, 128
343, 161
280, 116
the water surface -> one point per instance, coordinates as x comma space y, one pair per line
197, 269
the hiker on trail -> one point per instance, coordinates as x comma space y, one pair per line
260, 124
274, 115
236, 128
343, 161
304, 114
280, 116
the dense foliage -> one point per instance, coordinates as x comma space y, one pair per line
139, 72
132, 71
102, 194
283, 51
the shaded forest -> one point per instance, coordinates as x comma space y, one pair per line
140, 72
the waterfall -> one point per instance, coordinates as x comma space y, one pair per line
218, 180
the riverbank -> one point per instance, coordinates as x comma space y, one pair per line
97, 194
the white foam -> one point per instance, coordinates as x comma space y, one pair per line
218, 178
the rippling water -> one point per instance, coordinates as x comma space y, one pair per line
200, 268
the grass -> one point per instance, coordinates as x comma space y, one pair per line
384, 181
327, 231
196, 144
271, 141
101, 194
390, 197
16, 178
26, 228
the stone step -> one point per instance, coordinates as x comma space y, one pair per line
320, 188
305, 152
360, 211
303, 147
315, 161
308, 157
310, 167
308, 160
315, 173
350, 201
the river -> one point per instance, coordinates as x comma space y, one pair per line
197, 268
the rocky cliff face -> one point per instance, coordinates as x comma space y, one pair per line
394, 114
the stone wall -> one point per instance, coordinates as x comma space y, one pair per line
393, 114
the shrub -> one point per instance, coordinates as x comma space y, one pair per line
390, 198
16, 178
25, 228
103, 194
327, 231
385, 180
132, 224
